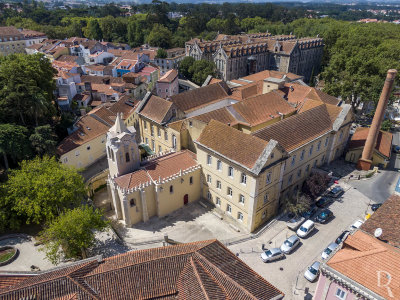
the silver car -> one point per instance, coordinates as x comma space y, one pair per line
329, 250
290, 244
312, 271
272, 255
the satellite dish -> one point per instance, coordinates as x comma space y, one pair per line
378, 232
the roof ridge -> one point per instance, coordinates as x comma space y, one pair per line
90, 291
196, 273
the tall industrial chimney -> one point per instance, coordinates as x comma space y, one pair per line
364, 163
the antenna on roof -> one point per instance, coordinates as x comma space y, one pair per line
378, 232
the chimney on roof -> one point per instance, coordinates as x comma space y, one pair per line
364, 163
281, 114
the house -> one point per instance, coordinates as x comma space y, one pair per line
382, 150
86, 144
33, 37
168, 85
365, 267
186, 271
174, 57
11, 41
100, 57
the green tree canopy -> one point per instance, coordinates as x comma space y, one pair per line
161, 53
43, 188
159, 36
43, 140
73, 232
13, 143
93, 30
184, 66
26, 89
201, 69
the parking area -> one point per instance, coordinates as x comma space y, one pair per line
288, 274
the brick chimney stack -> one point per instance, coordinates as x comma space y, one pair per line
364, 163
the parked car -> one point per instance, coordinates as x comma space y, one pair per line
357, 224
324, 216
309, 213
336, 192
290, 244
323, 202
272, 255
329, 250
312, 271
305, 229
375, 207
340, 239
295, 222
396, 149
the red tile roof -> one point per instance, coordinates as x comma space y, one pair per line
156, 109
169, 76
198, 270
363, 257
383, 143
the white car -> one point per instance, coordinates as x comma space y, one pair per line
329, 250
272, 255
305, 228
312, 271
357, 224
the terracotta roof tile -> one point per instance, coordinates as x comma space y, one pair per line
202, 96
221, 115
299, 129
169, 76
361, 259
383, 143
387, 217
156, 109
232, 143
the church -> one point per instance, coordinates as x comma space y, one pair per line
156, 186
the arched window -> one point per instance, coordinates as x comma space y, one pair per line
127, 157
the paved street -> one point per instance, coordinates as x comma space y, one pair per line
287, 274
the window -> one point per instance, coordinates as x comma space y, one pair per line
174, 141
323, 158
77, 153
299, 173
88, 148
159, 149
147, 141
264, 214
218, 184
326, 141
341, 294
152, 130
315, 163
65, 159
240, 216
190, 124
219, 165
302, 154
159, 132
191, 180
241, 199
311, 149
272, 155
145, 125
209, 160
166, 135
171, 189
293, 160
218, 201
208, 195
230, 171
209, 178
290, 179
243, 178
307, 168
229, 192
265, 198
153, 145
319, 146
127, 157
228, 208
132, 202
268, 178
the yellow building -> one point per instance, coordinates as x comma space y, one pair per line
86, 144
155, 187
11, 41
382, 151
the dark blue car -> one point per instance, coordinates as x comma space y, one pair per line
324, 216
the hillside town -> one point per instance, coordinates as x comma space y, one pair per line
229, 168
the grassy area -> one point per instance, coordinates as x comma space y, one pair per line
6, 255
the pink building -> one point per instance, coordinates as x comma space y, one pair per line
364, 268
168, 85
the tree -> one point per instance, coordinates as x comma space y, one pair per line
315, 184
43, 188
184, 66
73, 232
13, 143
386, 125
44, 140
26, 89
201, 69
159, 36
161, 53
93, 30
299, 204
